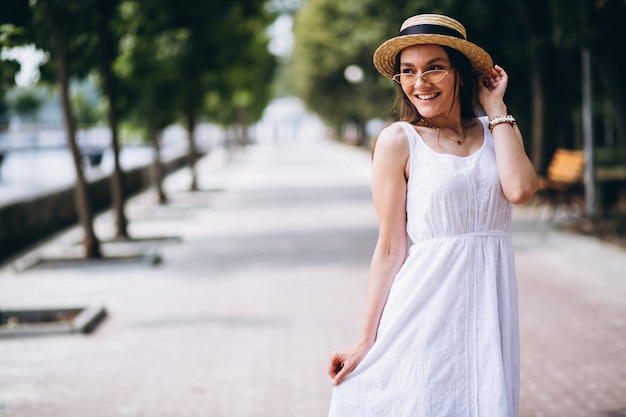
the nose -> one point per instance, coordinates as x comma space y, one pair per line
418, 78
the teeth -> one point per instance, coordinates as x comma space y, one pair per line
427, 97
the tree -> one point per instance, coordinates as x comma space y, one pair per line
87, 110
50, 34
8, 69
606, 32
13, 15
351, 32
238, 96
107, 39
205, 53
149, 79
175, 54
27, 104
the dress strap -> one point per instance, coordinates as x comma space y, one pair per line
410, 133
484, 120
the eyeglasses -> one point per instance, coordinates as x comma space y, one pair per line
431, 77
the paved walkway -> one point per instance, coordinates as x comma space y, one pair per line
269, 277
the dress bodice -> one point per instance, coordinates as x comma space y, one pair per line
449, 195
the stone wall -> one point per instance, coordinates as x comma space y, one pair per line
24, 223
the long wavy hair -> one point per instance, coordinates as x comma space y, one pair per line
467, 89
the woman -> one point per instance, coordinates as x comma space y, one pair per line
440, 328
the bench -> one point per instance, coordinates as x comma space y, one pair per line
563, 184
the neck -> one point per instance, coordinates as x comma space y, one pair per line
454, 124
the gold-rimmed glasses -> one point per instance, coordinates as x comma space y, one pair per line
430, 77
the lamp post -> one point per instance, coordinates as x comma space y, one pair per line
590, 184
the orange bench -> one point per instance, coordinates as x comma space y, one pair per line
563, 183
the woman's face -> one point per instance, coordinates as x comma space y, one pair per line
430, 100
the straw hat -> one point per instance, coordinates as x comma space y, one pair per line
431, 29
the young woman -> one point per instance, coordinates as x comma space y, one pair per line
440, 329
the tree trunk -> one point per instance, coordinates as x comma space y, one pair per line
154, 134
118, 196
361, 133
193, 152
611, 63
107, 46
537, 130
535, 17
613, 86
90, 241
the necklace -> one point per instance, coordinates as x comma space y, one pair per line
459, 142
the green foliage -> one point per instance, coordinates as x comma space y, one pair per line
8, 69
26, 103
178, 56
10, 35
87, 111
80, 46
242, 90
331, 35
166, 55
4, 114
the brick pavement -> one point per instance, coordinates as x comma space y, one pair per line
269, 277
573, 323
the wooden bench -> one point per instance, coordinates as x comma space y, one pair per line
563, 184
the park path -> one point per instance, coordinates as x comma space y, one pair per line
269, 277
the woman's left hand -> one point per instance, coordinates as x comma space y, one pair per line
491, 89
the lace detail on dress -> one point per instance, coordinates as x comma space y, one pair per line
451, 195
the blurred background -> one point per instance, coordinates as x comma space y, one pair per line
91, 88
243, 127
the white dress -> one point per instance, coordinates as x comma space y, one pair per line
448, 339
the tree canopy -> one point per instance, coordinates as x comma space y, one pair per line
156, 62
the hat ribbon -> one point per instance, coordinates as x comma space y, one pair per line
428, 29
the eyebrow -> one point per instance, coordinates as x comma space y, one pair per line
432, 61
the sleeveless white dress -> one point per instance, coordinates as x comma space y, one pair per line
448, 339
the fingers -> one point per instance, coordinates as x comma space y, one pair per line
495, 79
338, 369
496, 73
341, 375
335, 366
491, 79
344, 361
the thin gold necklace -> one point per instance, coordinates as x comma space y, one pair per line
459, 142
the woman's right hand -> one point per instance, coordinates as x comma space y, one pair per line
343, 361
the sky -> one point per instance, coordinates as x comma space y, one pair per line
281, 37
29, 57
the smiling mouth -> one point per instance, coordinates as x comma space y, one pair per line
427, 96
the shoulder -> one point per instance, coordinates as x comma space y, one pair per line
393, 139
391, 152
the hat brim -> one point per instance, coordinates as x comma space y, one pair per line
385, 55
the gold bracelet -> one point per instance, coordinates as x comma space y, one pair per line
501, 119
